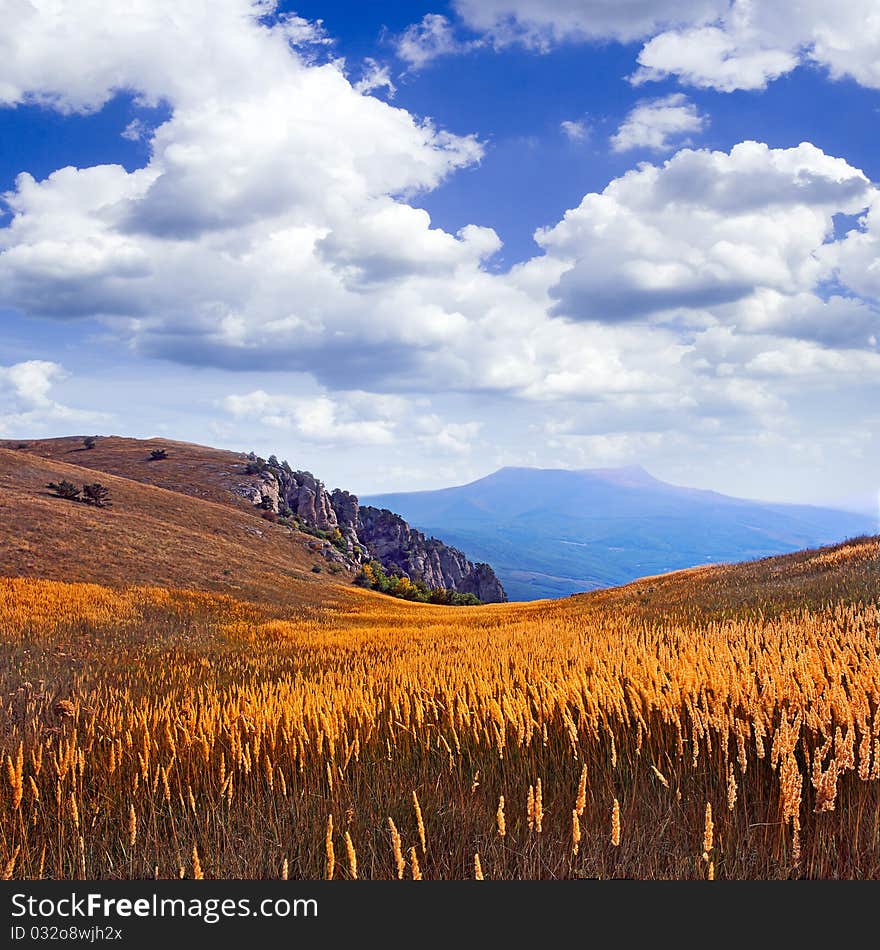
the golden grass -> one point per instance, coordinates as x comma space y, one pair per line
196, 470
652, 733
153, 535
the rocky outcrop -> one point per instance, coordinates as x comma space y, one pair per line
347, 510
483, 584
307, 498
286, 492
352, 534
402, 549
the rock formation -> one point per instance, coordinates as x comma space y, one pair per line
403, 550
351, 534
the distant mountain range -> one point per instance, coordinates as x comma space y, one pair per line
551, 532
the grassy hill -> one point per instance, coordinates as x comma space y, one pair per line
173, 523
195, 470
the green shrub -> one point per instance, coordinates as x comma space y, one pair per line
97, 495
66, 490
373, 576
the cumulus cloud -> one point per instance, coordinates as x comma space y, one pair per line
834, 321
75, 56
433, 36
722, 44
456, 438
704, 230
31, 382
856, 258
756, 41
659, 124
274, 199
713, 57
273, 229
766, 364
375, 76
317, 419
543, 23
802, 358
575, 130
26, 403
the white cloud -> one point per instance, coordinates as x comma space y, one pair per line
835, 321
757, 41
298, 30
766, 363
136, 131
271, 231
317, 419
266, 213
431, 37
543, 23
26, 403
856, 258
705, 230
713, 57
802, 358
592, 451
723, 44
75, 55
575, 130
31, 382
659, 124
456, 438
376, 75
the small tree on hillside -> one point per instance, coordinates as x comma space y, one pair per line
89, 442
96, 494
65, 489
157, 455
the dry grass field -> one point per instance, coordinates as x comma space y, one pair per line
174, 523
722, 722
198, 471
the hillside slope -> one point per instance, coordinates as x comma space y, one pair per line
195, 470
151, 535
332, 532
549, 533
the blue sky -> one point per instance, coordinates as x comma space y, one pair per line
405, 244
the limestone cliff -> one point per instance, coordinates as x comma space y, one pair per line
352, 534
404, 550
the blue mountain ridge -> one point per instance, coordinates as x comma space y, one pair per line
554, 532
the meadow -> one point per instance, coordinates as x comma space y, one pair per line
721, 723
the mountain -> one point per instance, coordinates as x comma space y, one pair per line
553, 532
189, 515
